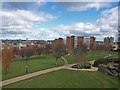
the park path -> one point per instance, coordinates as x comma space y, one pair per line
67, 66
92, 68
91, 62
19, 78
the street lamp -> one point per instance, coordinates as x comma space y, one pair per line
26, 66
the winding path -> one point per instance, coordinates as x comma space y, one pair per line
92, 68
67, 66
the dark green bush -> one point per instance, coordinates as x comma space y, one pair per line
101, 61
116, 60
86, 66
75, 66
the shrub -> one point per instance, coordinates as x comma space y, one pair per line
86, 66
116, 60
101, 61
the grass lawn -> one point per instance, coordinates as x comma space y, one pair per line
68, 79
95, 55
35, 64
90, 56
45, 62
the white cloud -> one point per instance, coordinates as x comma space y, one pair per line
24, 16
17, 22
22, 24
62, 29
85, 28
106, 26
83, 6
109, 23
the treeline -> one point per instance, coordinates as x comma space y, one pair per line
9, 53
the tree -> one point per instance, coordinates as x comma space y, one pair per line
81, 51
28, 52
7, 57
39, 50
15, 49
48, 49
58, 51
108, 48
21, 52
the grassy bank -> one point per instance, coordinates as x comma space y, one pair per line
68, 79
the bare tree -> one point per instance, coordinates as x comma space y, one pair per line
29, 51
15, 50
58, 51
48, 49
81, 51
7, 57
39, 50
21, 53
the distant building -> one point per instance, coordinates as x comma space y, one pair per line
57, 42
20, 45
99, 42
70, 43
49, 41
41, 43
77, 42
109, 40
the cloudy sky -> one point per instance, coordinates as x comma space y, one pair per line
50, 20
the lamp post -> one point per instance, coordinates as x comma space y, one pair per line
26, 66
27, 58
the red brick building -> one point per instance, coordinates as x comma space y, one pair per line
78, 42
57, 41
70, 43
92, 42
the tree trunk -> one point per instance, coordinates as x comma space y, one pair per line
78, 67
56, 61
22, 57
6, 69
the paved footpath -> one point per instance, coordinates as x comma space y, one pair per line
9, 81
19, 78
92, 68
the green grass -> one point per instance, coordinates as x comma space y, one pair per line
71, 59
68, 79
45, 62
114, 54
35, 64
90, 56
96, 55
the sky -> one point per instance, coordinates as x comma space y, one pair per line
51, 20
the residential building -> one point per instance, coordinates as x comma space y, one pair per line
49, 41
108, 40
99, 42
20, 45
78, 42
57, 42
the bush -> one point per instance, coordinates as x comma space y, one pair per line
75, 66
86, 66
101, 61
116, 60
